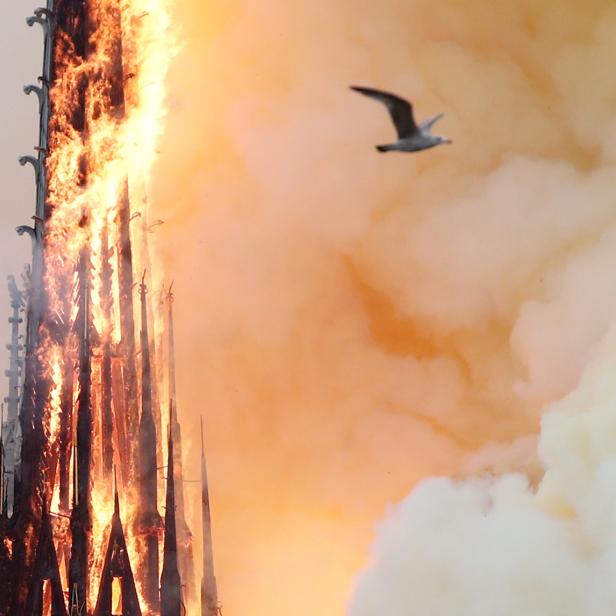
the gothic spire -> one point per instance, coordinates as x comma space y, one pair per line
149, 522
117, 566
209, 591
170, 584
184, 535
45, 568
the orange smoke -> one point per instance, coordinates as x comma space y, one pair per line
349, 322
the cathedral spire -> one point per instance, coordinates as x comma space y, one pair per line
45, 568
209, 591
170, 584
81, 516
184, 535
148, 519
117, 567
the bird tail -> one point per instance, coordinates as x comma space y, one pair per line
383, 148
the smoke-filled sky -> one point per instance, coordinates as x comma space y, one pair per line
350, 323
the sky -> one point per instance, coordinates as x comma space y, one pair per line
20, 63
350, 323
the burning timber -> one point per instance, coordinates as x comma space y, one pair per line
82, 433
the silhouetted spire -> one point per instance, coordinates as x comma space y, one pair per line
117, 566
81, 516
209, 591
148, 519
170, 584
45, 568
184, 535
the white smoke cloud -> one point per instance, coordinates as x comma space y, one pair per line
496, 546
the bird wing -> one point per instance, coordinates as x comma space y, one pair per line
426, 125
400, 110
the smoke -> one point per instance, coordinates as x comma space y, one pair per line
350, 323
535, 235
486, 546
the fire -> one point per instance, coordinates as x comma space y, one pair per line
55, 397
108, 106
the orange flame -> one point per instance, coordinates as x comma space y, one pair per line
119, 89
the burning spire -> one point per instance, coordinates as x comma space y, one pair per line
170, 584
106, 419
209, 591
81, 515
65, 31
148, 520
117, 567
80, 399
127, 320
146, 229
45, 568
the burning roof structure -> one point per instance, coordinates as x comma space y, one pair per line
85, 390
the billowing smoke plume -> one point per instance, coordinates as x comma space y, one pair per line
493, 546
530, 245
350, 322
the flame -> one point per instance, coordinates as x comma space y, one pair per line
55, 396
108, 107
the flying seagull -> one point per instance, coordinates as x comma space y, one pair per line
411, 138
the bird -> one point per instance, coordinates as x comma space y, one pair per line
411, 137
